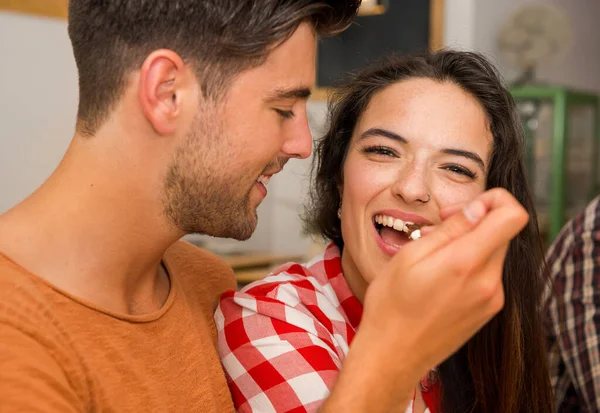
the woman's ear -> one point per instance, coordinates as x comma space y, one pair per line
340, 188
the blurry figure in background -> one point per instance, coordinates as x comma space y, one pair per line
409, 139
573, 313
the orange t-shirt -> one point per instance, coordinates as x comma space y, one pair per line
61, 354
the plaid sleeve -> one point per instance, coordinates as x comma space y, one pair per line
281, 344
573, 314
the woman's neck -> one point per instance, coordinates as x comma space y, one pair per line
353, 277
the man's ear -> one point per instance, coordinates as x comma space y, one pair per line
163, 77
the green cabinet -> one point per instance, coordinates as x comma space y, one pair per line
562, 137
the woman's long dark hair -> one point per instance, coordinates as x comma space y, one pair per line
503, 368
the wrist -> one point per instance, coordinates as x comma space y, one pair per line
379, 375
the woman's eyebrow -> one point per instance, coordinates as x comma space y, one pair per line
449, 151
382, 132
465, 154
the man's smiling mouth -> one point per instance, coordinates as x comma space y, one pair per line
264, 179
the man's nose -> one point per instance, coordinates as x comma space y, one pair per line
298, 143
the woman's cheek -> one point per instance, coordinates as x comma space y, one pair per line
453, 194
367, 179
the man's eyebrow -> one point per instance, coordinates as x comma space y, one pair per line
382, 132
466, 154
292, 93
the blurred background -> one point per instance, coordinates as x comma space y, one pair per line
547, 51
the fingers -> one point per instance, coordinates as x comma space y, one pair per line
506, 218
427, 230
494, 199
448, 231
447, 212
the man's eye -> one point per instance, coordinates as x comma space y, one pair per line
286, 114
380, 150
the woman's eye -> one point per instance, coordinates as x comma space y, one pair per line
460, 170
380, 150
286, 114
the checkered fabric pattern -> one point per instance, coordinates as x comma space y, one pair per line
573, 313
283, 339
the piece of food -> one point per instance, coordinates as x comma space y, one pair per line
413, 231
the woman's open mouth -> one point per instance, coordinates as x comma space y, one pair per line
394, 231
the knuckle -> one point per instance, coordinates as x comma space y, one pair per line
490, 289
498, 191
497, 302
519, 215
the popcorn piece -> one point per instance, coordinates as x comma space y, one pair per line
416, 234
413, 231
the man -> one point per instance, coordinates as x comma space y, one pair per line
187, 109
573, 313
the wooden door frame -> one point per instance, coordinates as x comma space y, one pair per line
48, 8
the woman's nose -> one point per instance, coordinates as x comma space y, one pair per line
411, 185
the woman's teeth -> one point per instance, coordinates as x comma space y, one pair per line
263, 179
410, 228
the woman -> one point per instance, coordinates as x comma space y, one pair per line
407, 138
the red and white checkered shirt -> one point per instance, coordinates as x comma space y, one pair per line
283, 339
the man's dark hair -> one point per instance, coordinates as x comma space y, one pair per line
220, 38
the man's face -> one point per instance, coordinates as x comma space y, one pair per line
219, 174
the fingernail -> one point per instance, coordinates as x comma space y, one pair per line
474, 211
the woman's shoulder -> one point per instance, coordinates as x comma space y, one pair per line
292, 283
296, 293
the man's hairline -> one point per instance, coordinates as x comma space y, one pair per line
221, 95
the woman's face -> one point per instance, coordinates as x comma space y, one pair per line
420, 146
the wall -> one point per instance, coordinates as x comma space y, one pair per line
38, 83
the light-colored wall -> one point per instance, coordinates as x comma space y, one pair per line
459, 24
38, 83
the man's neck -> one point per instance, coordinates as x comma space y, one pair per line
95, 232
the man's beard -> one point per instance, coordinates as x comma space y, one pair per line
199, 195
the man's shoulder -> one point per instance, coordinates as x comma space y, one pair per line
21, 300
576, 247
584, 227
28, 312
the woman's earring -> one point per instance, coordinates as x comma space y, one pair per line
339, 214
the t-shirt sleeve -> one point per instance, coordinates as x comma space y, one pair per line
31, 380
278, 353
